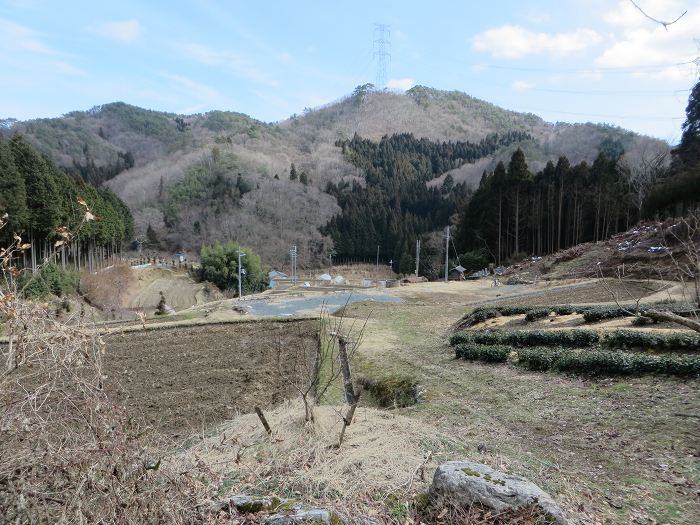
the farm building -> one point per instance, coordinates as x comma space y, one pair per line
457, 273
274, 276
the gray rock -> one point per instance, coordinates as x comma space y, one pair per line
465, 482
250, 504
303, 515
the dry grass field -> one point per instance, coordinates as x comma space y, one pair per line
612, 450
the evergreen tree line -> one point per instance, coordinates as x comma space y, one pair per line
396, 205
679, 191
514, 213
96, 175
39, 198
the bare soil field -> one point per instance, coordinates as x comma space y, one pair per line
180, 290
186, 380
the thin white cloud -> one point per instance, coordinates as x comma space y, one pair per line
200, 95
122, 30
233, 62
639, 42
64, 68
403, 84
521, 85
510, 42
18, 37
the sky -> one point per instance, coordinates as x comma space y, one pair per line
566, 60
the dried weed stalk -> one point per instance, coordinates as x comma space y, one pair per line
67, 454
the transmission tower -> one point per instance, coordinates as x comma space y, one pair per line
382, 47
697, 59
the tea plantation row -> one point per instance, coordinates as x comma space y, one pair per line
582, 361
624, 339
591, 314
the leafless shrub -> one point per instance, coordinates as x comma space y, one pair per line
67, 454
680, 242
312, 371
447, 513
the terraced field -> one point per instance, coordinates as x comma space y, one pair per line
184, 380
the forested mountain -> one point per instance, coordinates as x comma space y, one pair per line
220, 176
41, 200
395, 205
516, 212
680, 188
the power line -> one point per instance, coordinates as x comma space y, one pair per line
608, 92
382, 52
620, 92
621, 69
597, 115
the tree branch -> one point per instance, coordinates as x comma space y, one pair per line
665, 24
673, 318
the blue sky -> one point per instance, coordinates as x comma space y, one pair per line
569, 60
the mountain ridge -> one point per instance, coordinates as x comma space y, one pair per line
141, 153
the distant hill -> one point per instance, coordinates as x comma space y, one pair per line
223, 175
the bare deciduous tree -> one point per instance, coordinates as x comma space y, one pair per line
661, 22
681, 244
314, 368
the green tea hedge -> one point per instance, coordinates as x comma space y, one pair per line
607, 362
652, 340
537, 313
482, 314
580, 338
570, 338
588, 361
486, 353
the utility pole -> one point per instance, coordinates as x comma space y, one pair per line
447, 251
381, 52
417, 256
377, 262
240, 273
293, 256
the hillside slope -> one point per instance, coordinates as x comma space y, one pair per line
143, 155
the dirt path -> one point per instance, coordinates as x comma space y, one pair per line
612, 450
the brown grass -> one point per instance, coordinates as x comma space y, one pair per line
381, 455
67, 454
108, 289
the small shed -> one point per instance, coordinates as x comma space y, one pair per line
457, 273
273, 276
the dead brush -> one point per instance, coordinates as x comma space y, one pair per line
107, 289
67, 454
475, 514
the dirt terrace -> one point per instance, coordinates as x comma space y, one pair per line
186, 380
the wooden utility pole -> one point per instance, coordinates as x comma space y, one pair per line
447, 252
345, 367
417, 256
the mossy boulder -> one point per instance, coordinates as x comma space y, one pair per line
465, 483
